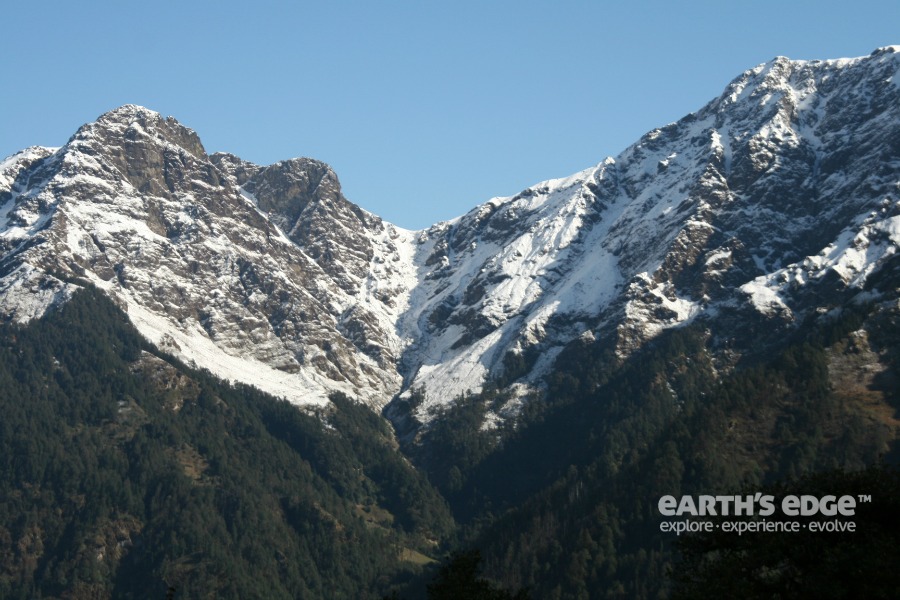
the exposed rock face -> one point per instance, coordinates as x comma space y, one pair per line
133, 204
303, 197
778, 200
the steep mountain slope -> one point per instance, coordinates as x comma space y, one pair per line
715, 307
133, 204
776, 201
127, 473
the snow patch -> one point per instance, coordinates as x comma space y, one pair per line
193, 345
765, 297
27, 294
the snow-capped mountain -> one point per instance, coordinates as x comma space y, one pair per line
778, 200
237, 283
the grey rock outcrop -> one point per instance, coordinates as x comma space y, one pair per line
776, 202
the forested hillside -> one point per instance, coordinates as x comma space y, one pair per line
564, 502
495, 403
125, 474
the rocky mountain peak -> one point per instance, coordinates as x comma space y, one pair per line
684, 226
132, 122
775, 202
289, 187
234, 166
197, 249
886, 50
157, 156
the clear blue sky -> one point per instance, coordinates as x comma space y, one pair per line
424, 109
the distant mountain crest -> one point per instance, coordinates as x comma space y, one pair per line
777, 201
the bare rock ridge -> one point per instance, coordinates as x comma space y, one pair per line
776, 202
133, 204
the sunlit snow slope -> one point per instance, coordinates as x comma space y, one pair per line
776, 201
133, 204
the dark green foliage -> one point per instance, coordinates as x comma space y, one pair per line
564, 502
456, 443
803, 564
459, 578
415, 504
124, 474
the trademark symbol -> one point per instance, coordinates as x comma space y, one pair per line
865, 497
